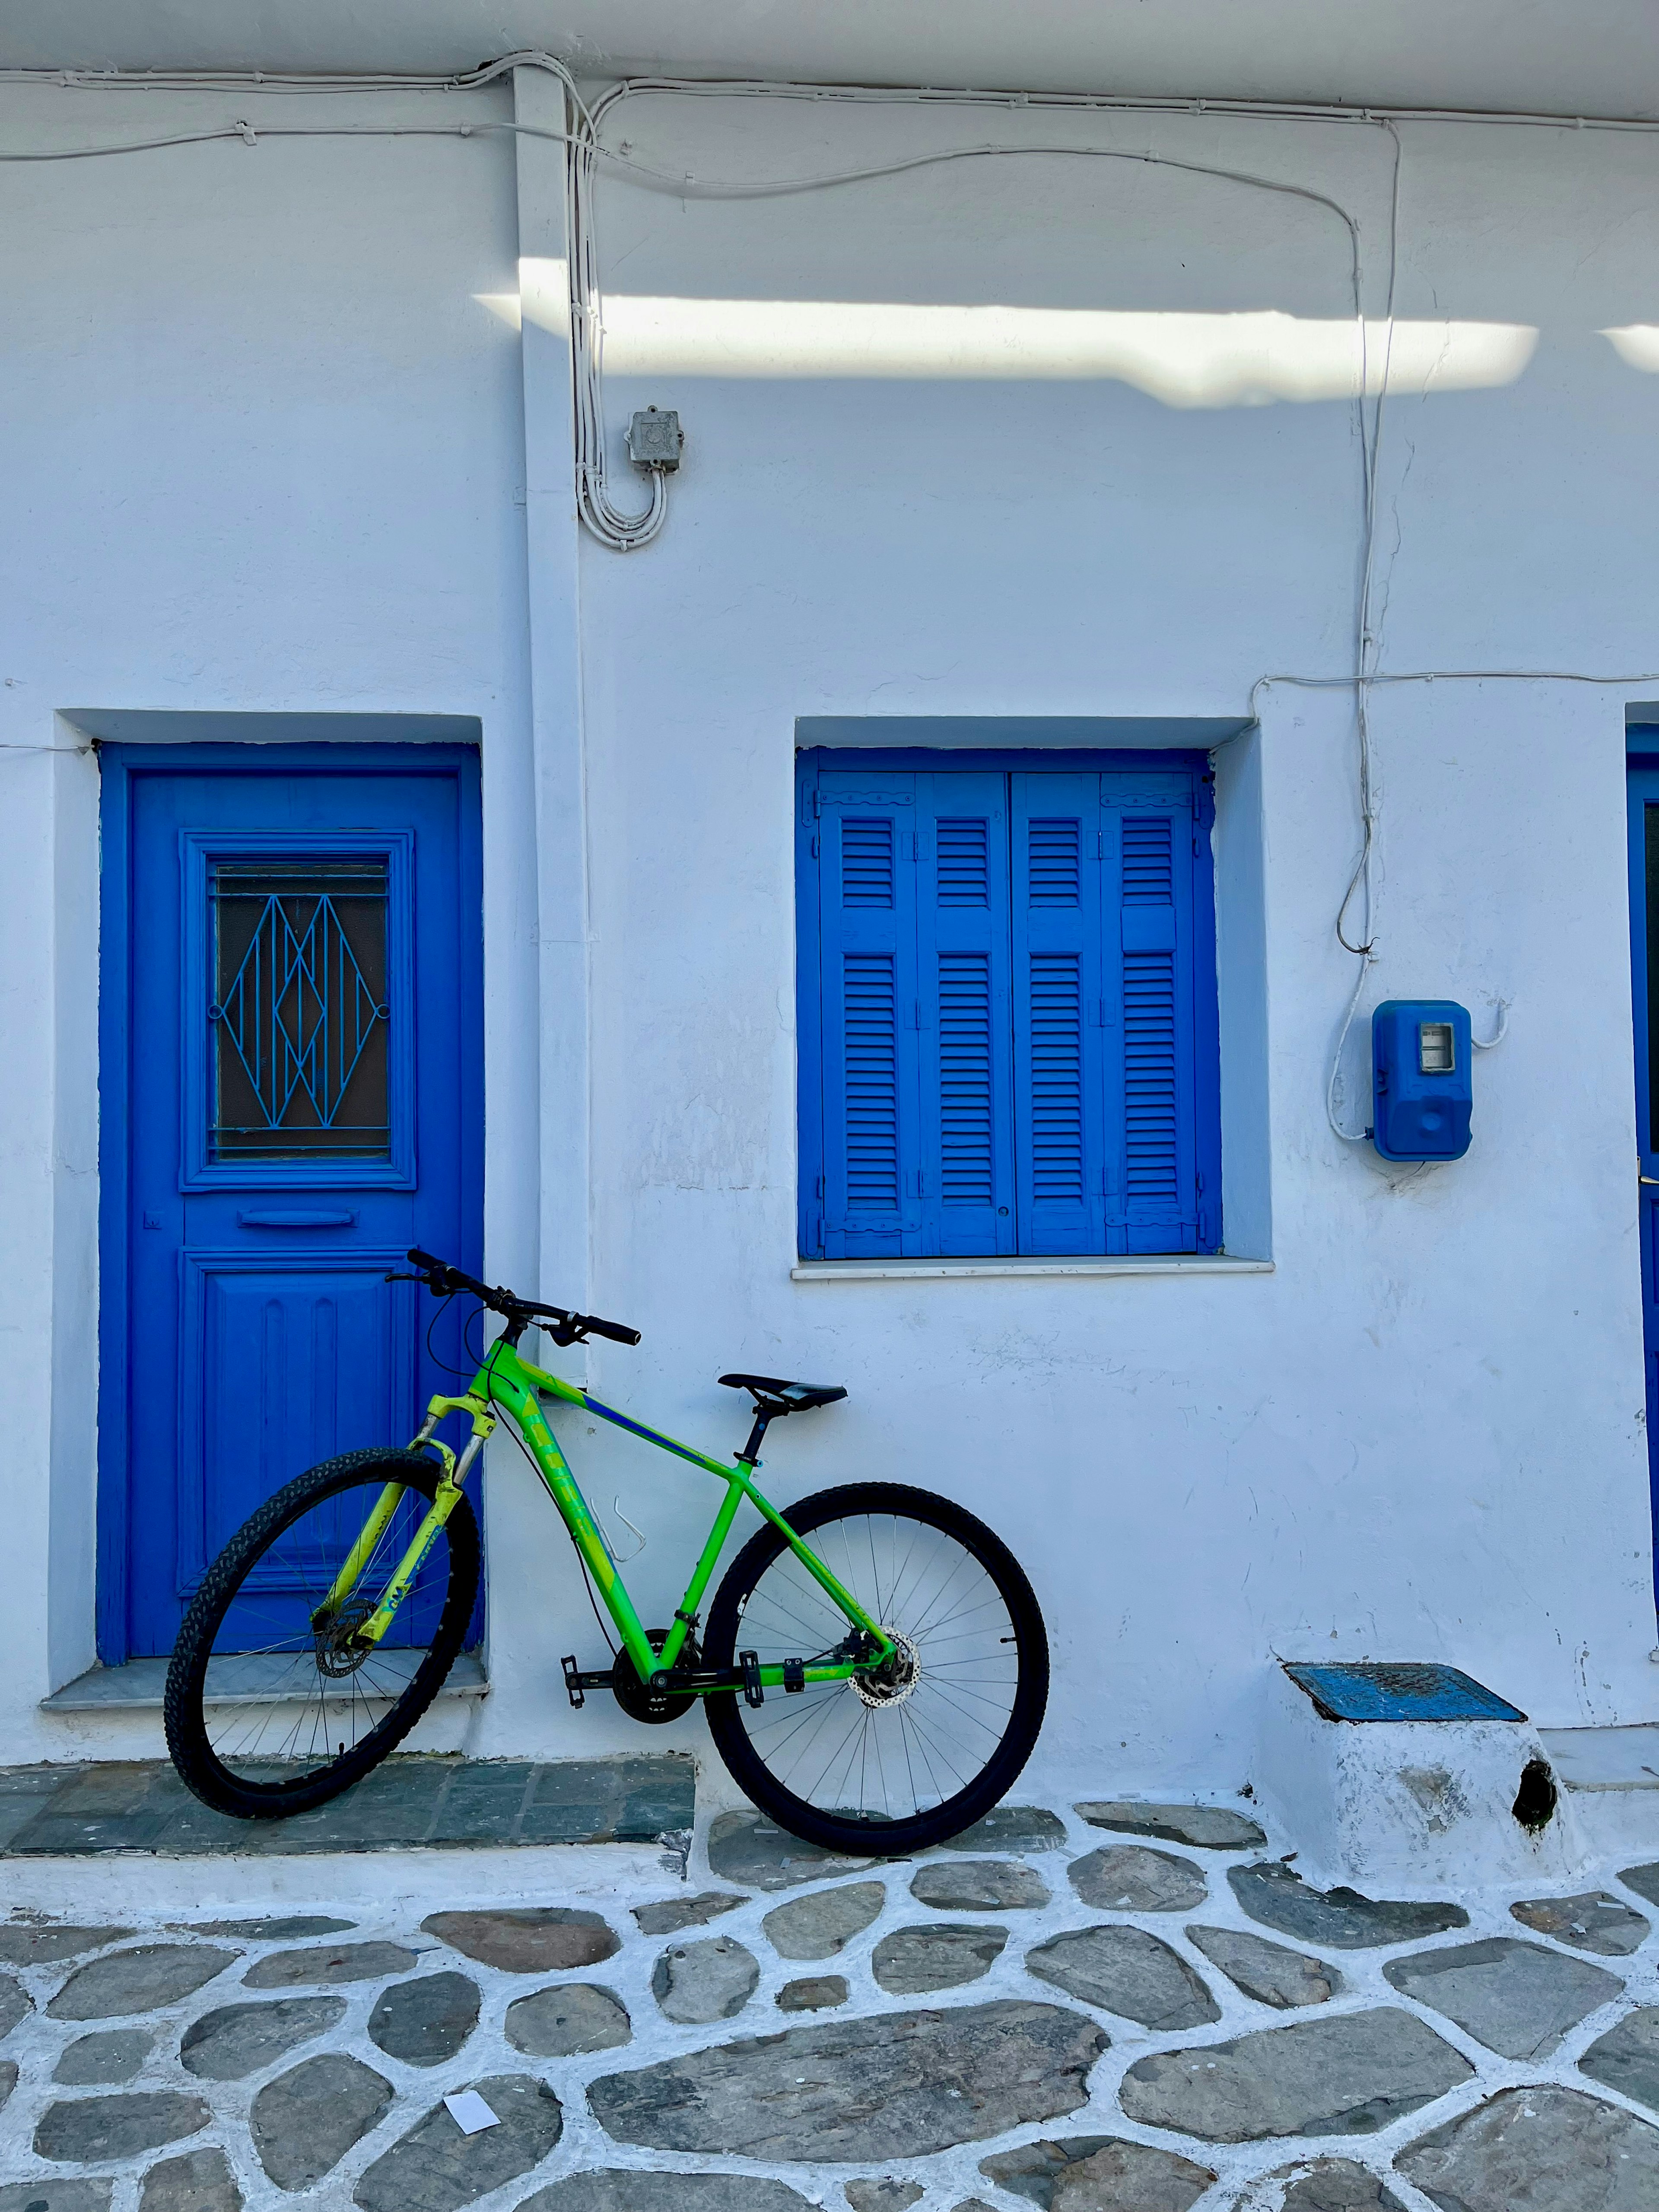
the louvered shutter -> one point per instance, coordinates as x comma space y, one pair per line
1008, 1036
965, 1045
1148, 820
872, 1197
1055, 823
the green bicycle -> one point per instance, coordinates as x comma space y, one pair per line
890, 1673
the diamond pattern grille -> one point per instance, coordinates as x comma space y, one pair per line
299, 1024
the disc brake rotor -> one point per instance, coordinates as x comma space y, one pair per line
338, 1651
895, 1679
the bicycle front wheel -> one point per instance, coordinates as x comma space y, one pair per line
876, 1765
273, 1703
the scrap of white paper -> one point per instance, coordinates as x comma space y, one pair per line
470, 2112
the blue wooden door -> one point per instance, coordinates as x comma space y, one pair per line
1645, 972
293, 937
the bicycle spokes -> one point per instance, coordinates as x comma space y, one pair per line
905, 1737
291, 1683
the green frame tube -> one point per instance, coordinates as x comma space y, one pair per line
507, 1383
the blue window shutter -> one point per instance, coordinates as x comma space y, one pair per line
1149, 834
1054, 820
1007, 1020
965, 1045
873, 1196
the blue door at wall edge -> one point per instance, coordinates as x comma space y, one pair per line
291, 957
1644, 808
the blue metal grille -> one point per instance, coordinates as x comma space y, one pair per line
1369, 1690
300, 1020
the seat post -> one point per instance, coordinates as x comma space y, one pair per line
750, 1451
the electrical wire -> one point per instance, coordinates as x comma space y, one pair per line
627, 531
72, 79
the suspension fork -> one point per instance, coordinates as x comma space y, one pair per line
445, 1500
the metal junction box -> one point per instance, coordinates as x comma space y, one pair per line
1421, 1052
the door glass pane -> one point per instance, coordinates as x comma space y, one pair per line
299, 1025
1650, 825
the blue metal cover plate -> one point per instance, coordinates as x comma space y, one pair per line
1371, 1691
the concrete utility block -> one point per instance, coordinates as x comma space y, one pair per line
1412, 1805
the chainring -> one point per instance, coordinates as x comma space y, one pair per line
641, 1703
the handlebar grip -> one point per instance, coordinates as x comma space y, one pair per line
446, 1279
618, 1332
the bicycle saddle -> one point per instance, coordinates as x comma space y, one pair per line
776, 1396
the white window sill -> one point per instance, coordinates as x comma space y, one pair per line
899, 1271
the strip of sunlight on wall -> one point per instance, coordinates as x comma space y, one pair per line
1637, 345
1184, 360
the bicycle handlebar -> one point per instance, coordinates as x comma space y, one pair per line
443, 1280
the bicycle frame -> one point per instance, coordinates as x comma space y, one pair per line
507, 1383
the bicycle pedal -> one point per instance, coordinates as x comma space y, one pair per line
794, 1676
573, 1681
749, 1662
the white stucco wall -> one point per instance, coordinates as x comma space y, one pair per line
269, 445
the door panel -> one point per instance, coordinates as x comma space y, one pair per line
302, 960
285, 1363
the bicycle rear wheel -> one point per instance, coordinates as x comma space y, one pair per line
882, 1766
271, 1706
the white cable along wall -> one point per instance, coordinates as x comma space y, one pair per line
624, 531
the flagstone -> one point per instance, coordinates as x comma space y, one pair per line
44, 1943
535, 1940
1337, 2184
696, 1983
16, 2004
234, 2041
566, 2020
1130, 1878
327, 1965
1591, 1921
886, 2195
813, 1993
57, 2193
1206, 1827
114, 2056
306, 2121
200, 2181
899, 2085
1550, 2148
1016, 1828
1277, 1897
425, 2021
613, 2190
437, 2167
747, 1847
1099, 2173
822, 1922
1519, 1999
1349, 2075
1127, 1970
85, 2131
979, 1885
144, 1979
1626, 2058
668, 1917
1266, 1970
912, 1962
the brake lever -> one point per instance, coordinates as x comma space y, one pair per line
403, 1279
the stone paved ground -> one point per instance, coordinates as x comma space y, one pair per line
1110, 2008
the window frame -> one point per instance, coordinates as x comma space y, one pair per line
1202, 1075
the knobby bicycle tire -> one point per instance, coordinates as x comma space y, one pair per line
740, 1730
187, 1728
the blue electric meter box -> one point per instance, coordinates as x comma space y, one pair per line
1420, 1079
